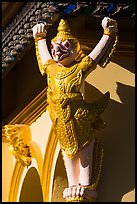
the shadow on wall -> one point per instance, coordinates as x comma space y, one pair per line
128, 63
31, 188
118, 138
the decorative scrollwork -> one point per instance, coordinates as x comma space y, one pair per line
18, 137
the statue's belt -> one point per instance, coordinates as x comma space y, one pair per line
64, 98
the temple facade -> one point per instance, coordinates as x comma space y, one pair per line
32, 166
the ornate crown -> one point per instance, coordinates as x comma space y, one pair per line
64, 32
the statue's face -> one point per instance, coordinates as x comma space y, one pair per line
63, 52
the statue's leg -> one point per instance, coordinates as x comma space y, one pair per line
85, 164
85, 176
72, 168
79, 173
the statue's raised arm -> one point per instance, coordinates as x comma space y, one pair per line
106, 46
42, 52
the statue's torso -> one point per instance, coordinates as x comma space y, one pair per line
67, 108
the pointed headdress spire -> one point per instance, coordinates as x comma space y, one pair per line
64, 31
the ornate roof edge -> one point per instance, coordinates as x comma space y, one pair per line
17, 38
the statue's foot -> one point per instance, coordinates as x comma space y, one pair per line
79, 193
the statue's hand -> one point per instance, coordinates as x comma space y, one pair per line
109, 25
39, 30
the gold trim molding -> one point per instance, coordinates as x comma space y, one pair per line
15, 182
29, 114
50, 158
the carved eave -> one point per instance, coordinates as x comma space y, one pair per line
17, 36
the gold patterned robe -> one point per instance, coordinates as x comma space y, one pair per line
72, 117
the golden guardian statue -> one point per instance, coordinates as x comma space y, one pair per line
73, 118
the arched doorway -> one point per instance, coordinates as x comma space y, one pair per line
31, 188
